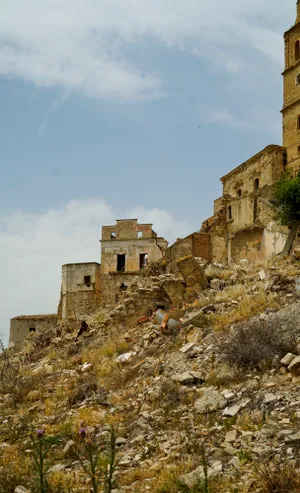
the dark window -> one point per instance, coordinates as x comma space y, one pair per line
229, 213
298, 122
87, 280
297, 51
113, 235
123, 287
298, 80
121, 262
298, 150
256, 184
239, 192
32, 329
143, 260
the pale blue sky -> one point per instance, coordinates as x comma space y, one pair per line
102, 101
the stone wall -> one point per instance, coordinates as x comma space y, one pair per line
80, 290
21, 326
195, 245
291, 99
266, 166
115, 286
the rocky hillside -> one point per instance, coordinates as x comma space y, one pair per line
197, 371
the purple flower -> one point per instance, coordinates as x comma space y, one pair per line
82, 432
40, 433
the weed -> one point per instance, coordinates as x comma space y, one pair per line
254, 342
98, 460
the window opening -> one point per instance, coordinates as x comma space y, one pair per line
143, 260
140, 234
298, 80
32, 329
123, 287
298, 150
87, 281
297, 51
113, 235
121, 262
239, 192
298, 122
256, 184
229, 213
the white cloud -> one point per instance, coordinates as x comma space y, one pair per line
256, 120
84, 45
34, 246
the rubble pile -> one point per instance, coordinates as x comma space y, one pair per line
155, 368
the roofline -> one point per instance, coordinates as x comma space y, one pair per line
81, 263
291, 29
24, 317
271, 147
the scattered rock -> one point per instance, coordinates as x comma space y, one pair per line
210, 401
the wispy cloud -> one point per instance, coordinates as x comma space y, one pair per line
86, 46
59, 101
256, 120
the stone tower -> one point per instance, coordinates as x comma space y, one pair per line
291, 95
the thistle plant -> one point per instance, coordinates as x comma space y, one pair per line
98, 460
39, 454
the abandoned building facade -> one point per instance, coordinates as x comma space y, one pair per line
242, 225
126, 248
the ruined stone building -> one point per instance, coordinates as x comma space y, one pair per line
243, 223
126, 248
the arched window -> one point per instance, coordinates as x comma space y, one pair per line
297, 50
256, 184
239, 192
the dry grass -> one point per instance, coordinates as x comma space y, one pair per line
249, 305
271, 479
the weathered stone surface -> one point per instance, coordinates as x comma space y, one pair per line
231, 411
184, 378
21, 489
231, 436
295, 364
211, 400
175, 289
191, 478
288, 358
187, 347
192, 273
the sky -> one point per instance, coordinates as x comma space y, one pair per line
124, 108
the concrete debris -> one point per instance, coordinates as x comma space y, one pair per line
125, 357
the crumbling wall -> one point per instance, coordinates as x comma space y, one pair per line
247, 244
81, 289
115, 285
195, 245
21, 326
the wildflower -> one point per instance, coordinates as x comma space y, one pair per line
82, 432
40, 433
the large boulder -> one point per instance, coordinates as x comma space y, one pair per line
192, 273
175, 289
